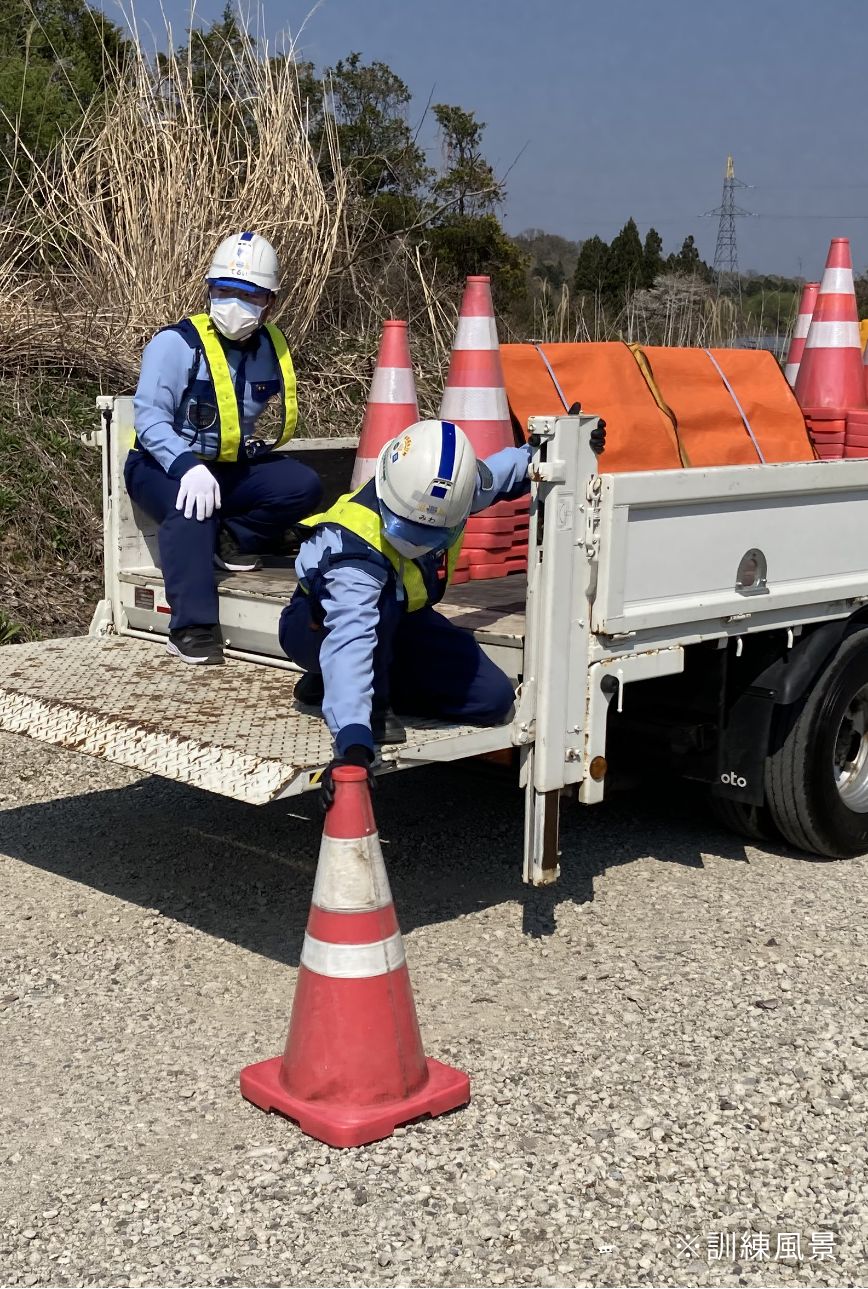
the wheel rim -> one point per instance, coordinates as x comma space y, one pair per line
851, 754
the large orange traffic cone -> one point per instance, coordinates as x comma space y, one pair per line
392, 404
800, 331
475, 394
354, 1067
475, 398
830, 372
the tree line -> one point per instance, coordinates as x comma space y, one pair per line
55, 56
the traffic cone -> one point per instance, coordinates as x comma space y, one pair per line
354, 1067
827, 430
830, 372
515, 562
475, 398
856, 444
865, 368
800, 331
392, 404
475, 393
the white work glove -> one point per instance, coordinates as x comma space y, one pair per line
199, 490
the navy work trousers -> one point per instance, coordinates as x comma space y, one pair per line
260, 500
423, 664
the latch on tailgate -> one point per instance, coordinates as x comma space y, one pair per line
592, 517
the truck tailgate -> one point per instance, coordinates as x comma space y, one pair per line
233, 729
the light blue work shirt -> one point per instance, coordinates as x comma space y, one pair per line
173, 388
354, 576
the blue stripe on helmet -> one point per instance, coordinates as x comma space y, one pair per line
438, 491
235, 284
447, 451
246, 237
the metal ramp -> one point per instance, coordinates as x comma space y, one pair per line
233, 729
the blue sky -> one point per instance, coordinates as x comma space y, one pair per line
630, 108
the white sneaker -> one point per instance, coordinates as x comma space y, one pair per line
230, 558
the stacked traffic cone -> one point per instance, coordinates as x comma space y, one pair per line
354, 1067
392, 403
830, 383
856, 442
856, 445
495, 541
800, 332
828, 434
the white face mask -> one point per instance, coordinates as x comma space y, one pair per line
235, 318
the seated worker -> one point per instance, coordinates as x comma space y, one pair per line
218, 387
361, 621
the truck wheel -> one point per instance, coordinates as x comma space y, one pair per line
745, 819
816, 776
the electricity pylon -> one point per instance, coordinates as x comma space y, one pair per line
726, 250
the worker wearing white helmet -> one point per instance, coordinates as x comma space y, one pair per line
216, 395
361, 622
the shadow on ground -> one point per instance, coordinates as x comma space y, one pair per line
452, 838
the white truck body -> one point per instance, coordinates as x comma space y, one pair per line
627, 573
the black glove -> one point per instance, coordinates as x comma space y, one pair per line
357, 754
598, 437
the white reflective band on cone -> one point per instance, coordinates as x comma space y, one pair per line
352, 961
351, 876
833, 335
802, 327
393, 385
476, 333
474, 404
791, 371
363, 470
837, 282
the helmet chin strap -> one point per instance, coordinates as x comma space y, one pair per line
409, 551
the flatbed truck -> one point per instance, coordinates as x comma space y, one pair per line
713, 620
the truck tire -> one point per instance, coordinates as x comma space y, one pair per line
816, 777
745, 819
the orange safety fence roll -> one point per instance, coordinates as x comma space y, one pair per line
664, 407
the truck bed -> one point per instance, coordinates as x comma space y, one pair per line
233, 729
250, 606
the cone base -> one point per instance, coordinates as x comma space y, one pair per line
488, 572
445, 1089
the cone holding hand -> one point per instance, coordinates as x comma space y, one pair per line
392, 403
354, 1067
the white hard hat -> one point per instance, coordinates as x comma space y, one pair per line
245, 260
426, 481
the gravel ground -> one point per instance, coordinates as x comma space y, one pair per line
669, 1052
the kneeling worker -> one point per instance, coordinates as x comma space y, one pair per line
218, 387
361, 621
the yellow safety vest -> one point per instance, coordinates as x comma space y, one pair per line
366, 523
224, 387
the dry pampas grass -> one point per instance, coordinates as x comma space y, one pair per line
111, 238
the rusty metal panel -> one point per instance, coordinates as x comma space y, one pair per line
233, 729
